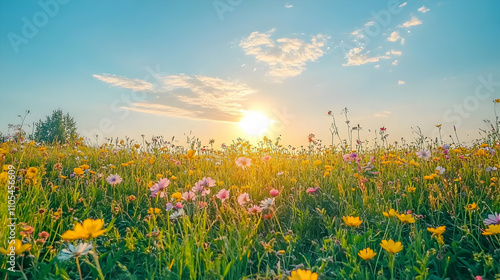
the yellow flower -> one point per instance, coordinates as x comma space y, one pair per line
18, 247
305, 162
406, 218
391, 213
317, 162
326, 174
154, 211
471, 207
63, 177
412, 189
367, 254
31, 172
177, 196
492, 230
300, 274
88, 229
438, 125
391, 246
151, 161
78, 171
190, 154
328, 167
352, 221
497, 100
437, 231
84, 167
430, 177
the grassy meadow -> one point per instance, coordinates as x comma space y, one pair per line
157, 210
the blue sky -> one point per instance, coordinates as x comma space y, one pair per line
174, 67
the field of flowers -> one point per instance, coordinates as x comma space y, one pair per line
157, 210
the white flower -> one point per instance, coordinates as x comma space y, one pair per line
440, 169
266, 203
179, 213
425, 154
81, 250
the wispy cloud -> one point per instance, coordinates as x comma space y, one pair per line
286, 57
117, 81
288, 6
383, 114
357, 56
412, 22
185, 96
400, 83
423, 9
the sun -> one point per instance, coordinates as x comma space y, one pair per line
255, 123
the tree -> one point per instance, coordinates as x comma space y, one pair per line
57, 127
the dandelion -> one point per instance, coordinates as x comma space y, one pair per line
88, 229
406, 218
493, 219
300, 274
367, 254
223, 194
425, 154
18, 245
114, 179
492, 230
391, 247
243, 199
74, 252
352, 221
391, 213
243, 162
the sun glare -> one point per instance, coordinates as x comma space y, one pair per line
255, 123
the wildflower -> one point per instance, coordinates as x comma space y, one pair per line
300, 274
254, 209
177, 214
114, 179
243, 162
78, 171
367, 254
440, 169
493, 219
152, 211
161, 185
206, 182
497, 100
489, 169
352, 221
471, 207
391, 246
391, 213
223, 194
18, 245
492, 230
274, 192
88, 229
178, 205
243, 199
81, 250
312, 190
317, 162
267, 203
425, 154
437, 231
266, 158
188, 196
84, 167
177, 196
406, 218
412, 189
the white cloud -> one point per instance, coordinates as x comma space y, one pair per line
184, 96
402, 5
401, 83
356, 56
286, 57
393, 52
395, 62
394, 36
383, 114
423, 9
376, 66
412, 22
117, 81
288, 5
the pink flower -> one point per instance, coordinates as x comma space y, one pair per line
383, 128
274, 192
178, 205
312, 190
188, 196
223, 194
162, 184
243, 199
493, 219
206, 182
202, 204
114, 179
254, 209
177, 163
478, 278
266, 158
243, 162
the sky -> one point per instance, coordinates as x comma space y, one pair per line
177, 68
